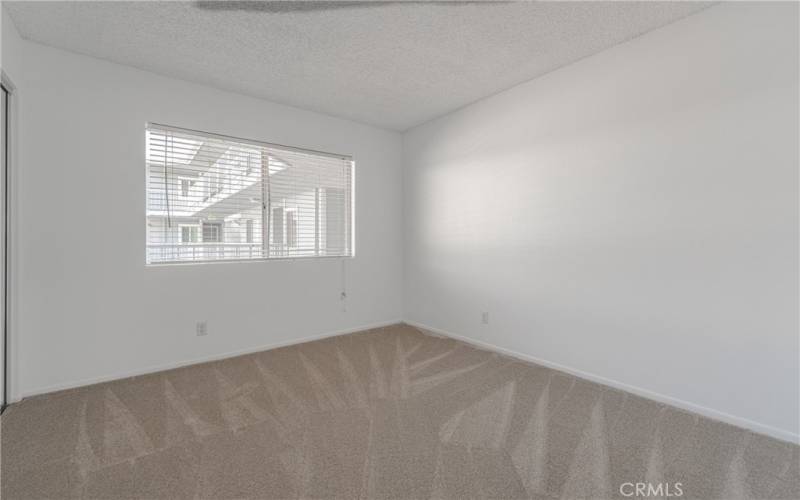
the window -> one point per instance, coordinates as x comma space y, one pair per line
212, 232
188, 234
291, 228
213, 183
249, 231
186, 186
216, 198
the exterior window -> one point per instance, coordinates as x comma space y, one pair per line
249, 231
189, 234
217, 198
291, 228
186, 186
213, 183
212, 232
276, 231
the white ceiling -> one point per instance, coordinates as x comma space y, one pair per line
394, 65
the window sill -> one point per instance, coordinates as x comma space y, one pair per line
239, 261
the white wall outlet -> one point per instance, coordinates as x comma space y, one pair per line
485, 318
201, 328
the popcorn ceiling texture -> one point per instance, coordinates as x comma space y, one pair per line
394, 66
385, 413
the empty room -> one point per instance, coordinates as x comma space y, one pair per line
400, 250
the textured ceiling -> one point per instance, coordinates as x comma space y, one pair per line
394, 65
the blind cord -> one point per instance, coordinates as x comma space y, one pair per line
343, 296
166, 180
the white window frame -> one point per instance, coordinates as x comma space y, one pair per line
197, 229
219, 228
350, 234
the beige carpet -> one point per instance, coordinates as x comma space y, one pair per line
389, 413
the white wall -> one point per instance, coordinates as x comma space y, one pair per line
10, 44
90, 309
633, 216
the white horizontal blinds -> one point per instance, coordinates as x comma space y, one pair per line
309, 204
209, 198
203, 192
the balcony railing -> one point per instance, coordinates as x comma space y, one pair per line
189, 252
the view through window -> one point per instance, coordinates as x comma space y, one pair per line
217, 198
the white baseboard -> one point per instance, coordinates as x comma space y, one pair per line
768, 430
205, 359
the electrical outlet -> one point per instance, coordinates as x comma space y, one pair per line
485, 318
201, 328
